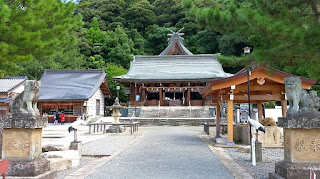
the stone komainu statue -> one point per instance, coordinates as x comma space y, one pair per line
300, 101
25, 103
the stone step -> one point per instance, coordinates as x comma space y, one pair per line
59, 164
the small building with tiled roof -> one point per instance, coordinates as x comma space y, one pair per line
75, 92
8, 87
259, 86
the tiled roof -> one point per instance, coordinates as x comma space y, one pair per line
70, 84
9, 83
4, 100
174, 68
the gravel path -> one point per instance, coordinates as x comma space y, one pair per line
164, 152
261, 170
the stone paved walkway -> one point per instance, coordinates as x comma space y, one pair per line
160, 152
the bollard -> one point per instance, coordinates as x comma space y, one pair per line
258, 151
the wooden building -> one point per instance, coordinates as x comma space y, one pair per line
75, 92
265, 85
8, 88
173, 78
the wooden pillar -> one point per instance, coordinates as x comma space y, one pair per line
7, 111
260, 111
188, 97
284, 107
161, 96
132, 94
230, 123
143, 96
218, 129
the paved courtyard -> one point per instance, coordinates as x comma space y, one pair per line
159, 152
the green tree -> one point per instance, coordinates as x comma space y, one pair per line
96, 62
117, 47
168, 12
156, 39
204, 42
140, 15
284, 34
112, 71
109, 13
138, 41
33, 31
94, 34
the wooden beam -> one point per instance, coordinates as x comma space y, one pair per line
272, 97
278, 88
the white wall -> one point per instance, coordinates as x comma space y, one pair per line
92, 104
274, 113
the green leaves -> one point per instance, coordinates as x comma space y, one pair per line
32, 31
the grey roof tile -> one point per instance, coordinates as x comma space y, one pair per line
174, 68
9, 83
70, 84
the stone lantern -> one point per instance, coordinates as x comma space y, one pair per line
116, 111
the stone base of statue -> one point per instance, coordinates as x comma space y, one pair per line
301, 148
28, 168
21, 145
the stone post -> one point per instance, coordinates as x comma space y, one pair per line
22, 146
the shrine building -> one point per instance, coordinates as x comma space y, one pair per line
173, 78
75, 92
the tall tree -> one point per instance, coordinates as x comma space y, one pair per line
168, 12
117, 47
109, 13
116, 70
156, 39
285, 34
34, 30
140, 15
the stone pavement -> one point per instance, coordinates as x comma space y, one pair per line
157, 152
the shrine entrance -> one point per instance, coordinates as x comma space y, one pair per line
264, 87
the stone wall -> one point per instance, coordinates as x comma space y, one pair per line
273, 135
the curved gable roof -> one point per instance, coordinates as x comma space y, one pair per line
173, 68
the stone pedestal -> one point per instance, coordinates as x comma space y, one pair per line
301, 147
76, 146
272, 136
22, 146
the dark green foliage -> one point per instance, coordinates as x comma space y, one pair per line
117, 47
168, 12
108, 13
284, 34
207, 37
140, 15
116, 70
156, 41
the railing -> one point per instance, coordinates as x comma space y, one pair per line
101, 127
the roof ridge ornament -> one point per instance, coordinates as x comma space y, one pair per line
175, 44
175, 35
